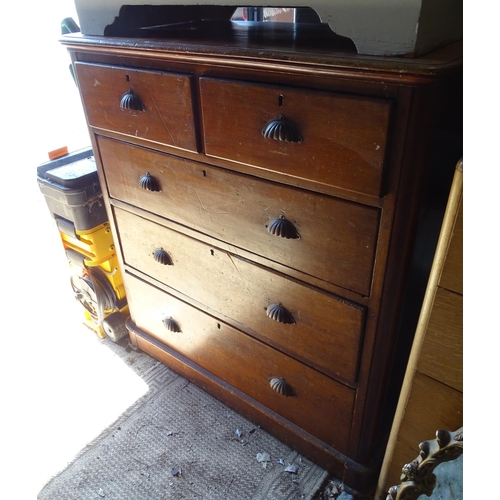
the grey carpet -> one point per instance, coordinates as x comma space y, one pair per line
178, 442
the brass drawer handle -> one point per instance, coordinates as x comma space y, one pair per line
280, 314
171, 325
283, 228
281, 130
279, 385
131, 102
149, 183
162, 257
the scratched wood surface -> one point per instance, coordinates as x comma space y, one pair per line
242, 291
337, 240
343, 139
167, 116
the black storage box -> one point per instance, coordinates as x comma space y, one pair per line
72, 190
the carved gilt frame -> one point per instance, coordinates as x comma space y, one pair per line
417, 477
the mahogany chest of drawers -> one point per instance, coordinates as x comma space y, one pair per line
265, 202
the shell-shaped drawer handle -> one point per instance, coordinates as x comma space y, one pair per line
171, 325
281, 130
149, 183
131, 102
279, 385
283, 228
162, 257
279, 313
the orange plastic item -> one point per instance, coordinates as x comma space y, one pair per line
57, 153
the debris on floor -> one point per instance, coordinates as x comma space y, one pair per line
263, 458
332, 491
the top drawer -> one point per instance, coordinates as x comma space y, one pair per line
163, 102
341, 140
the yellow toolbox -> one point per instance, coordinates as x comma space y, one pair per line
95, 278
72, 191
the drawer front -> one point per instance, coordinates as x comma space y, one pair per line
313, 326
325, 137
337, 238
245, 363
164, 101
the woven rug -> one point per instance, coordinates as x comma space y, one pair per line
178, 442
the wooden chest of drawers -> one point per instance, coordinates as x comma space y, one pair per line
266, 204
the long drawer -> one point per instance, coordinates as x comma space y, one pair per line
246, 363
315, 327
329, 138
329, 238
151, 105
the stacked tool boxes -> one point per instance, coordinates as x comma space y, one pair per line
73, 194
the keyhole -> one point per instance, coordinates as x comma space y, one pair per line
204, 173
212, 252
280, 100
128, 78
